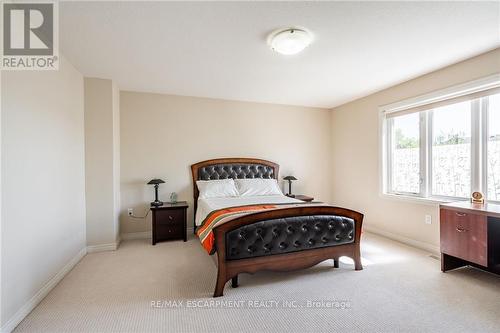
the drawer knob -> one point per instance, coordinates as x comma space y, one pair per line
460, 214
460, 229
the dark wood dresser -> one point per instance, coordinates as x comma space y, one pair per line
169, 222
470, 235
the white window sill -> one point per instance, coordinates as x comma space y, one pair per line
419, 200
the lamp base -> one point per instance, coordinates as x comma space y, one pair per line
156, 203
290, 195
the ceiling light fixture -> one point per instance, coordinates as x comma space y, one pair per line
289, 41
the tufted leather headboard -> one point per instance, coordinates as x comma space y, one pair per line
223, 168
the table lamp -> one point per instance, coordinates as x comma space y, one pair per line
290, 179
156, 183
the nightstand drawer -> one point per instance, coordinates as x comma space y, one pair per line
464, 235
166, 232
170, 217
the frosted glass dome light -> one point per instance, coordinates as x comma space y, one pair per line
289, 41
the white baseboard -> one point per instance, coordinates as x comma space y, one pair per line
11, 324
102, 247
402, 239
136, 235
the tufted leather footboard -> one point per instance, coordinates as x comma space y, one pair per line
288, 234
286, 239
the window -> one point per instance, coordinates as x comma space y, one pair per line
451, 150
444, 145
493, 165
405, 152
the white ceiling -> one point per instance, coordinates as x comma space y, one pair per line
219, 50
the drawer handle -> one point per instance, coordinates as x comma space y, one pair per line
170, 218
460, 229
461, 214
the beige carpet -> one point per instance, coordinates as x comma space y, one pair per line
401, 289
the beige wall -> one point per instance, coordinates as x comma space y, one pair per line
162, 135
43, 182
102, 161
355, 144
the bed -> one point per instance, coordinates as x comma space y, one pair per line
275, 232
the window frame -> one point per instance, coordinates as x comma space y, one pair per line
479, 140
485, 139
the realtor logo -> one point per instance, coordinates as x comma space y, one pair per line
29, 38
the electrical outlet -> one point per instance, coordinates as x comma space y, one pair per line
130, 211
428, 219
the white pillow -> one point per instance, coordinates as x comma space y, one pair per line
257, 186
217, 188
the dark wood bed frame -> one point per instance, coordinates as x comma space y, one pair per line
229, 269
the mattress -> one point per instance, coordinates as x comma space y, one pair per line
206, 206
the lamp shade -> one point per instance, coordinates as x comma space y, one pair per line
155, 182
289, 178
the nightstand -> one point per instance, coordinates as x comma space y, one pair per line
304, 198
169, 222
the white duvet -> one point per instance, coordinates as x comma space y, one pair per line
206, 206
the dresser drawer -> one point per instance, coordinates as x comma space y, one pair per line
464, 235
170, 217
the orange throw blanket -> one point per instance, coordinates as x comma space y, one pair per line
221, 216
